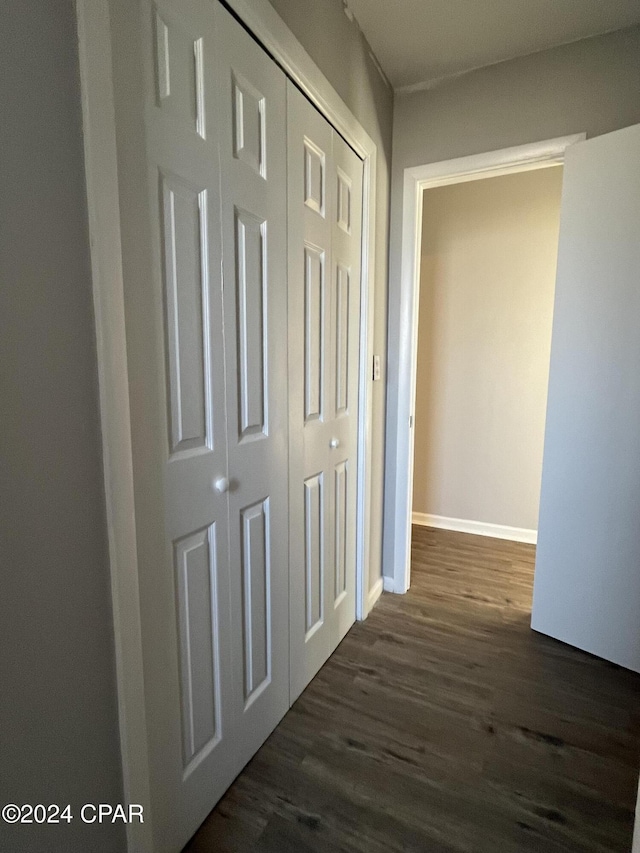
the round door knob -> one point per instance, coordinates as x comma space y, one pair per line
221, 485
335, 442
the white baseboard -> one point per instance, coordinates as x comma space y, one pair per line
479, 528
374, 594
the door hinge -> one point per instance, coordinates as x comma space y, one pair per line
410, 421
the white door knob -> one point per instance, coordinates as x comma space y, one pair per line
221, 485
335, 442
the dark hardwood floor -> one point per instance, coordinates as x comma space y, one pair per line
443, 723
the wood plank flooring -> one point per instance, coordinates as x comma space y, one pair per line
443, 723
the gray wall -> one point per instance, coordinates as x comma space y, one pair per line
58, 719
343, 55
592, 86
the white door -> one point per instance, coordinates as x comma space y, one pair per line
251, 116
208, 365
325, 233
184, 534
587, 579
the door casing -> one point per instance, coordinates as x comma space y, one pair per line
101, 167
399, 453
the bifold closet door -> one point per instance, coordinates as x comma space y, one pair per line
184, 539
210, 399
325, 244
252, 136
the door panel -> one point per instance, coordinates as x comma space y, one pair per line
309, 158
185, 243
179, 412
250, 242
315, 298
345, 362
199, 667
343, 333
313, 554
341, 531
256, 583
587, 583
325, 216
252, 119
179, 65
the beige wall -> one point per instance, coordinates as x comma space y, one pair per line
486, 303
338, 47
591, 86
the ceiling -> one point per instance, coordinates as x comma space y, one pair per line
420, 41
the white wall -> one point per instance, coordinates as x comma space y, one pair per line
489, 252
338, 47
591, 86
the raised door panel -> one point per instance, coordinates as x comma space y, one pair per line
314, 330
179, 67
315, 172
344, 327
256, 583
251, 110
249, 125
186, 288
252, 333
196, 570
313, 554
344, 186
342, 493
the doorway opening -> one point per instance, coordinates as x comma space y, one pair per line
416, 180
488, 252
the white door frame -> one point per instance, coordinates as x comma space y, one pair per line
108, 295
507, 161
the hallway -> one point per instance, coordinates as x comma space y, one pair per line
443, 723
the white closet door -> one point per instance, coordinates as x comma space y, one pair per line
325, 207
185, 590
252, 118
342, 411
214, 594
203, 145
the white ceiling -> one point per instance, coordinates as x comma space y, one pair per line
419, 41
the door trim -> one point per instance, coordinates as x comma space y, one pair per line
101, 168
416, 179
